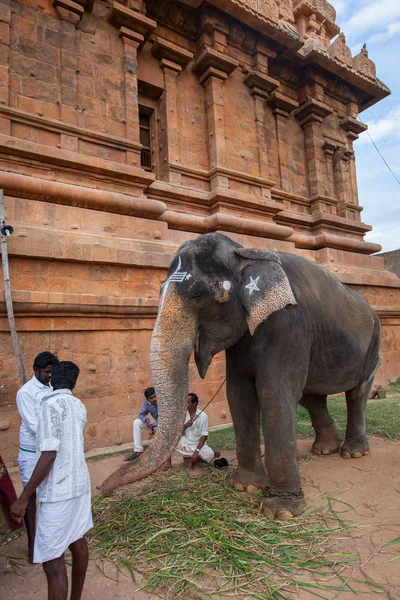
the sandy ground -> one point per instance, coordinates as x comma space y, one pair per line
371, 486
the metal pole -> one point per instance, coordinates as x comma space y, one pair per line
7, 290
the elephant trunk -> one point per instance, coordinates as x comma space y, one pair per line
172, 344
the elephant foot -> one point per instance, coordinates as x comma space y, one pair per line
326, 441
352, 449
326, 445
246, 480
283, 505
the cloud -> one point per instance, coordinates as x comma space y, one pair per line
387, 236
377, 14
341, 7
392, 29
386, 129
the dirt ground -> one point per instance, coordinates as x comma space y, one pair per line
371, 486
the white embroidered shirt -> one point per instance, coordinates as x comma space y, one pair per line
61, 422
28, 401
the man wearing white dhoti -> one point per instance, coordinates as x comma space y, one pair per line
29, 397
61, 478
193, 443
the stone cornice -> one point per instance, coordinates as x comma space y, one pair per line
312, 111
330, 240
55, 192
260, 81
332, 222
168, 50
353, 125
209, 58
122, 16
50, 243
64, 304
281, 102
54, 125
376, 89
225, 222
79, 162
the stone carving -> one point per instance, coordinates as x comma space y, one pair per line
290, 29
177, 16
322, 7
236, 34
363, 65
314, 37
265, 8
340, 52
285, 10
283, 71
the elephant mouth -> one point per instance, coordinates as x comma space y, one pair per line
203, 353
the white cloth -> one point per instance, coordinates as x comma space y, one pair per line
206, 453
62, 418
27, 460
190, 439
60, 524
28, 402
138, 425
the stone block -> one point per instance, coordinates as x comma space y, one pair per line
4, 33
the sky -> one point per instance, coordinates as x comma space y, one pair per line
377, 23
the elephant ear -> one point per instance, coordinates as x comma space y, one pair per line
265, 287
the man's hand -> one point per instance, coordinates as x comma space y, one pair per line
147, 422
152, 430
187, 424
194, 459
18, 509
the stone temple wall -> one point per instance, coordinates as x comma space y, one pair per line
127, 129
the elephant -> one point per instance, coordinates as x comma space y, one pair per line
292, 333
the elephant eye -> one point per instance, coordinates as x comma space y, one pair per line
197, 294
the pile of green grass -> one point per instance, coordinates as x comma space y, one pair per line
195, 538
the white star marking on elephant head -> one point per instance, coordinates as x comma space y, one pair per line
252, 286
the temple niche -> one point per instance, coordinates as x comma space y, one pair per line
127, 128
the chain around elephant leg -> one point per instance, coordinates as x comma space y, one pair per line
282, 504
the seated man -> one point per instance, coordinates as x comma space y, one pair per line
193, 443
143, 422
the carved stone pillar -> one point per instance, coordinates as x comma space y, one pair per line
173, 59
352, 129
131, 40
261, 85
329, 150
5, 20
213, 68
311, 114
134, 29
282, 105
69, 83
342, 180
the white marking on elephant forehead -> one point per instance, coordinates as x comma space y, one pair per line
164, 288
227, 285
178, 276
252, 285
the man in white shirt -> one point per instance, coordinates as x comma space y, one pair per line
61, 478
193, 443
28, 400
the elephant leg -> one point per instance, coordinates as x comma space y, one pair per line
250, 474
356, 444
326, 440
284, 497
